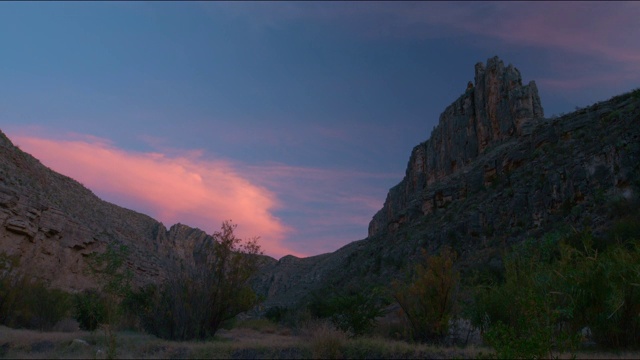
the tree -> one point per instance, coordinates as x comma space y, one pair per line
198, 297
428, 299
103, 308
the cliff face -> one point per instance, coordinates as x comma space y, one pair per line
53, 223
496, 109
493, 173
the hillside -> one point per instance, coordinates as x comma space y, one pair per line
494, 172
52, 223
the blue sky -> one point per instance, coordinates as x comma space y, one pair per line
291, 118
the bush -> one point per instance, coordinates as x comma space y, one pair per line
326, 341
90, 309
553, 289
198, 298
429, 297
28, 303
276, 313
354, 312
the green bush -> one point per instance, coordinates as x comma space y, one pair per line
90, 309
556, 287
353, 312
198, 298
428, 299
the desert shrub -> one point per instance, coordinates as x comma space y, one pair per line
601, 289
553, 289
428, 298
625, 229
90, 309
114, 279
355, 311
325, 340
199, 297
137, 302
26, 302
276, 313
517, 317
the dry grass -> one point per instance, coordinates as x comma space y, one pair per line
251, 340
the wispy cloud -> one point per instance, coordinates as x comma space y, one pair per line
295, 210
172, 188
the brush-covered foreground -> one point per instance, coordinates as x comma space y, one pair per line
253, 339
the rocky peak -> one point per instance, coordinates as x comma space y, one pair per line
494, 109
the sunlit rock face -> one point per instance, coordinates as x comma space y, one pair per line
497, 108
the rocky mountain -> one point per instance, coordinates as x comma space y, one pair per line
494, 171
52, 223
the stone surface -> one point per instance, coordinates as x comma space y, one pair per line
497, 108
494, 172
53, 223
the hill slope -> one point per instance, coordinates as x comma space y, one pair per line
52, 223
493, 173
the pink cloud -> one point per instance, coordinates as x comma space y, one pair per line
334, 206
177, 188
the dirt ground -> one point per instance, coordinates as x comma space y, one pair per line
238, 343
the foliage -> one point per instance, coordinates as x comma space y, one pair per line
108, 267
276, 313
115, 282
90, 309
354, 312
429, 297
26, 302
197, 298
554, 288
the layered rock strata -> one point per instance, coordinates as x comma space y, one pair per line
52, 223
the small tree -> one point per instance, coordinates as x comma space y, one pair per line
428, 299
115, 281
198, 297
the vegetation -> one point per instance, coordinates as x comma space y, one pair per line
26, 302
197, 298
90, 309
355, 312
429, 297
555, 288
94, 309
552, 294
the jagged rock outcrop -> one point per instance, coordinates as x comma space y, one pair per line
496, 109
493, 173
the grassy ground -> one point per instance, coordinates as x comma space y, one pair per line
249, 340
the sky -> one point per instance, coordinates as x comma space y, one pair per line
292, 119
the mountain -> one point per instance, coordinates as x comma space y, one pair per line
494, 172
52, 223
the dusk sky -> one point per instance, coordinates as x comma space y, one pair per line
293, 119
